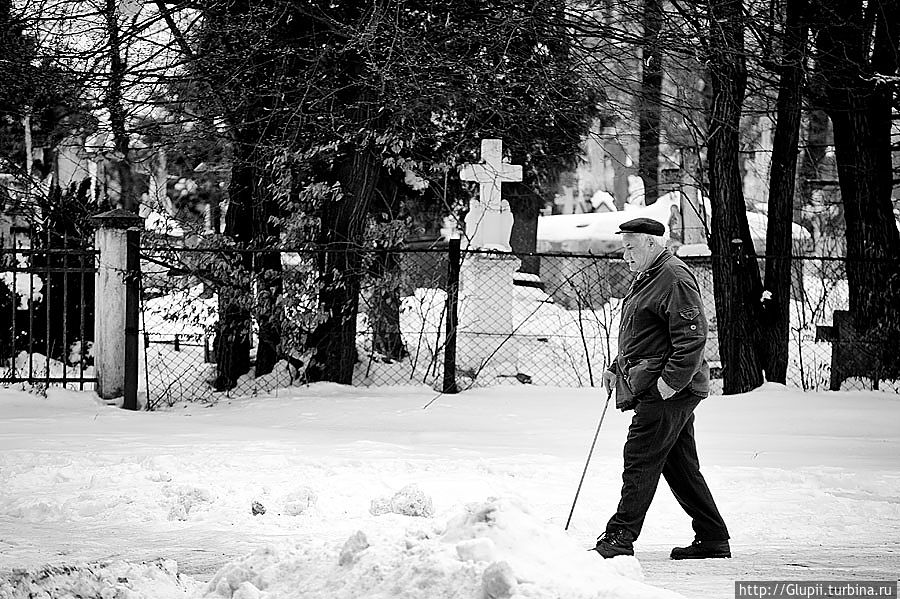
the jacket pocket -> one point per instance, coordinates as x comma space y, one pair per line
624, 397
700, 383
642, 373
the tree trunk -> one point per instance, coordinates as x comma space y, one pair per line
340, 266
735, 272
266, 268
252, 207
270, 284
859, 106
114, 104
387, 339
650, 100
779, 240
385, 268
232, 347
232, 344
249, 224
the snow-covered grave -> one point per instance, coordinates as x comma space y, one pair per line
485, 322
595, 232
336, 492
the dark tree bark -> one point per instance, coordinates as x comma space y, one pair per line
247, 103
858, 59
340, 266
387, 339
779, 241
249, 224
266, 265
270, 285
357, 168
114, 104
393, 196
650, 100
232, 346
735, 272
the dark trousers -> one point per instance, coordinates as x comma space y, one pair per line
661, 441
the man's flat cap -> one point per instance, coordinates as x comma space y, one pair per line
642, 225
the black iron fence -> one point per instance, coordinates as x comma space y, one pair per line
47, 317
551, 319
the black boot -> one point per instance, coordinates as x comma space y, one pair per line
613, 543
702, 550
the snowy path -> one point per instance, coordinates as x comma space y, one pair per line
850, 561
809, 484
200, 553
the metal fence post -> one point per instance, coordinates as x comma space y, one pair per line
132, 312
449, 385
116, 290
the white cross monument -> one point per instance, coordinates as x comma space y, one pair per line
484, 345
490, 220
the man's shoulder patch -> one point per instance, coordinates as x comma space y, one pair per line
689, 313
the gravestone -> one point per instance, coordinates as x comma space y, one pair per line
852, 355
484, 333
490, 220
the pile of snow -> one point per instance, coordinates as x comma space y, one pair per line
116, 580
408, 501
299, 501
39, 366
493, 550
283, 375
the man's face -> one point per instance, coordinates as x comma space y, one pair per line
639, 251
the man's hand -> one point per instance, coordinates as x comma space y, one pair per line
609, 380
664, 390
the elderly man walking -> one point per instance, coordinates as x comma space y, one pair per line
660, 373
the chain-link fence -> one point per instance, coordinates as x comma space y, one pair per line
551, 319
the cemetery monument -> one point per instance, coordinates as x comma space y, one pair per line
486, 278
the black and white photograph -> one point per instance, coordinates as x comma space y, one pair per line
458, 299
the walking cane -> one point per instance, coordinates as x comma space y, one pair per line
596, 434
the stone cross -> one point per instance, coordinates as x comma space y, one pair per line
489, 221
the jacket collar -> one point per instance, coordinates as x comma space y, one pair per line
655, 265
660, 260
644, 275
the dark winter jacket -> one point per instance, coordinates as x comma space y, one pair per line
662, 334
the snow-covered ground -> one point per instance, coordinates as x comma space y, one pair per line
367, 494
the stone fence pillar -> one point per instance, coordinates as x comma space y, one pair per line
116, 310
